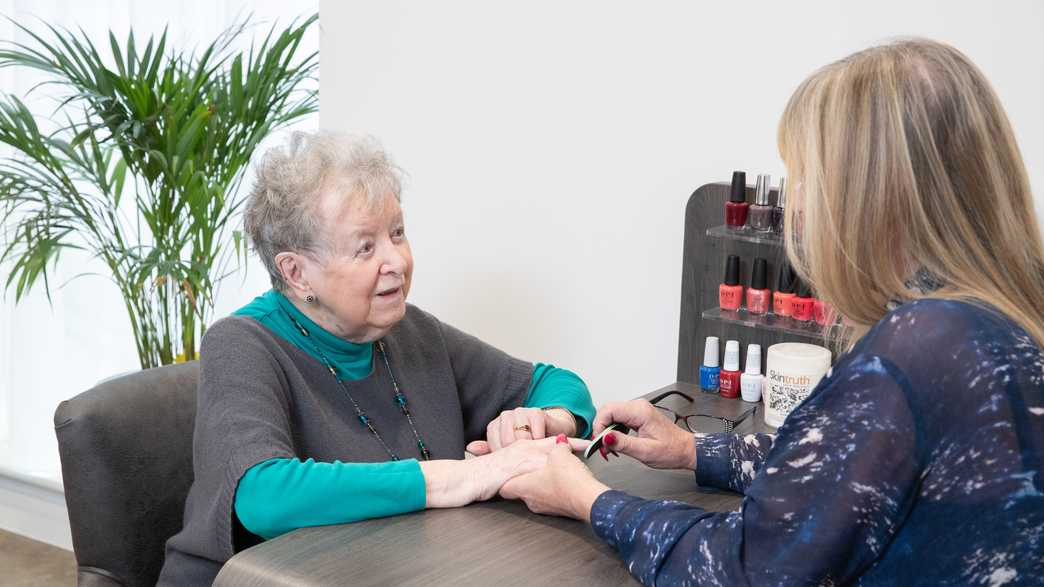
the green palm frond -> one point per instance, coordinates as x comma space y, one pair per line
145, 169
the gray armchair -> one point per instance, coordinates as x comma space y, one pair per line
126, 450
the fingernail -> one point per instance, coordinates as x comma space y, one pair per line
610, 438
601, 450
561, 439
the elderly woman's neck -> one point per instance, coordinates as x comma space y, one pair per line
326, 320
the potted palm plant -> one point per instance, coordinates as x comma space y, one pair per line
141, 166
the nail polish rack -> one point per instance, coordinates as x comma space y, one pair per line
765, 322
708, 242
745, 235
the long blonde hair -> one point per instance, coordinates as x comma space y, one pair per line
901, 158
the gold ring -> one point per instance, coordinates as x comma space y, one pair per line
524, 428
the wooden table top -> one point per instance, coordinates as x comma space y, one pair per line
491, 543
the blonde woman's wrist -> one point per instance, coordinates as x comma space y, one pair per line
583, 498
688, 448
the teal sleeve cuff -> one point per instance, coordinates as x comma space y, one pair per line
280, 495
554, 387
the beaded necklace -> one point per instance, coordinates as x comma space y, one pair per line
365, 420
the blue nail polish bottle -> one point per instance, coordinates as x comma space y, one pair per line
709, 370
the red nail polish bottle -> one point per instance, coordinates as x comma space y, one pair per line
803, 304
822, 311
736, 208
729, 383
784, 294
730, 293
758, 294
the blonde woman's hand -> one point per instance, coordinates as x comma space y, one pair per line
658, 443
564, 487
523, 424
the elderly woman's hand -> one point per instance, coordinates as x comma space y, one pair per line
659, 444
450, 483
564, 487
523, 424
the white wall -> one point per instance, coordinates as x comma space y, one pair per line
552, 145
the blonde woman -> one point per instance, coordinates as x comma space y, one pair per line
918, 460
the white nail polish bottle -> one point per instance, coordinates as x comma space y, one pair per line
752, 381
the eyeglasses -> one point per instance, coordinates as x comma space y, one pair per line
690, 421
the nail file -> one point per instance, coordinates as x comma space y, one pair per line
597, 442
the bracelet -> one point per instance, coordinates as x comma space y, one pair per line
576, 426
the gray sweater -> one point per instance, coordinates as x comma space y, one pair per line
260, 398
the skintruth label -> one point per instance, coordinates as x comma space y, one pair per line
783, 379
787, 391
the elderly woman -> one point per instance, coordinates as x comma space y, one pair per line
329, 399
918, 459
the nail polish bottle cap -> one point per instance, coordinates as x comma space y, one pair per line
761, 189
804, 291
739, 187
710, 352
732, 266
781, 197
785, 283
753, 359
732, 355
758, 277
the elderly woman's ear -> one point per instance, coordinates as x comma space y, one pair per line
292, 266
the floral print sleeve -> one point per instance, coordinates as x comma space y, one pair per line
916, 461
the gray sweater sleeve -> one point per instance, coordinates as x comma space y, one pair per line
242, 418
489, 380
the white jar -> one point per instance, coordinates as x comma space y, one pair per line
793, 370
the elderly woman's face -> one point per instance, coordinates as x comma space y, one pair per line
363, 282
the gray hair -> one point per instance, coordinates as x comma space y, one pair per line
281, 211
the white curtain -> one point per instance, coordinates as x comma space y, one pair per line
52, 351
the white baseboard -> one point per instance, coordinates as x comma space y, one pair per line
35, 509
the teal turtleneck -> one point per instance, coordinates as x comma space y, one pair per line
273, 310
280, 495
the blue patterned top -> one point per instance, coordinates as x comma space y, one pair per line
917, 460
